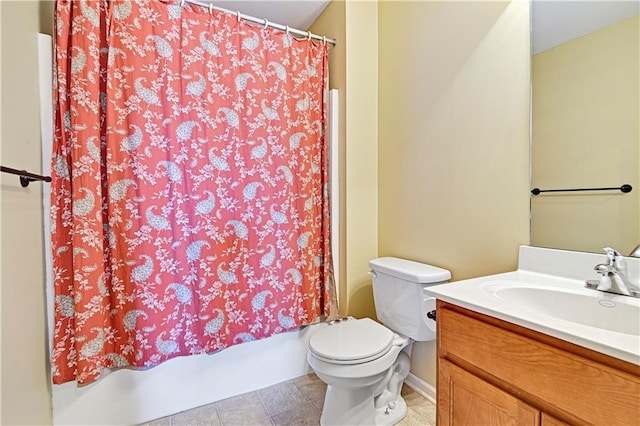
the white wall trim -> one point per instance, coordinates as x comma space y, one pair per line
421, 387
333, 128
45, 75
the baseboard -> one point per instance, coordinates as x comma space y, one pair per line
421, 387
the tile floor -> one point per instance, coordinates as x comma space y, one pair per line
295, 402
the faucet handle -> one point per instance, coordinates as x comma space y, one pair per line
612, 255
611, 252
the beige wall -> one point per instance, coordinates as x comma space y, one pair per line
434, 141
354, 71
453, 138
25, 390
362, 153
586, 133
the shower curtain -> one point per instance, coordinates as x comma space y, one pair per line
189, 193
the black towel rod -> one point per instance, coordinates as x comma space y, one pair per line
25, 176
624, 188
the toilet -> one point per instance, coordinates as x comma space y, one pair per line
364, 363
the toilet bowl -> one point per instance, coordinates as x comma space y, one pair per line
355, 358
364, 363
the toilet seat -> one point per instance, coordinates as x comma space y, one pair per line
353, 341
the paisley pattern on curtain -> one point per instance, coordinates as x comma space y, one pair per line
189, 192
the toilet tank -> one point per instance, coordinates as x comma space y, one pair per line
400, 302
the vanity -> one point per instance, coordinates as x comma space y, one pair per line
534, 347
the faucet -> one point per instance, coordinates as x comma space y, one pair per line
613, 276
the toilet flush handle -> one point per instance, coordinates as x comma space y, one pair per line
373, 274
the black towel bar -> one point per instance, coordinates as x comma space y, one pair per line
25, 176
624, 188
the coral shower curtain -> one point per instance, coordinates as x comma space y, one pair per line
189, 203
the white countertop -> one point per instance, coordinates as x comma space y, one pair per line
477, 295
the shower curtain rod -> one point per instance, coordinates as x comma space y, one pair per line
263, 21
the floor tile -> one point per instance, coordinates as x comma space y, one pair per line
295, 402
424, 408
202, 416
265, 421
165, 421
313, 389
282, 397
241, 410
314, 392
304, 415
308, 379
412, 419
407, 390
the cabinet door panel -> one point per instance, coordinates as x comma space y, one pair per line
564, 381
464, 399
548, 420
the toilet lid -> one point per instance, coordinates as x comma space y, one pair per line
352, 341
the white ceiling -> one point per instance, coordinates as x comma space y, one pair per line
298, 14
556, 22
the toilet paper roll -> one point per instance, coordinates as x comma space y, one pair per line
429, 305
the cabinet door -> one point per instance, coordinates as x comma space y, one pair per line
464, 399
548, 420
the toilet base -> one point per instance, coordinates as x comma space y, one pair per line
356, 407
390, 416
348, 407
370, 400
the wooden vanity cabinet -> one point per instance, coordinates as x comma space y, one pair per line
492, 372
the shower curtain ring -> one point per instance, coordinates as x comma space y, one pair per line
287, 30
210, 8
324, 40
308, 35
181, 3
238, 15
266, 23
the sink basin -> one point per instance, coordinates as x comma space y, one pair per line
591, 308
546, 294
